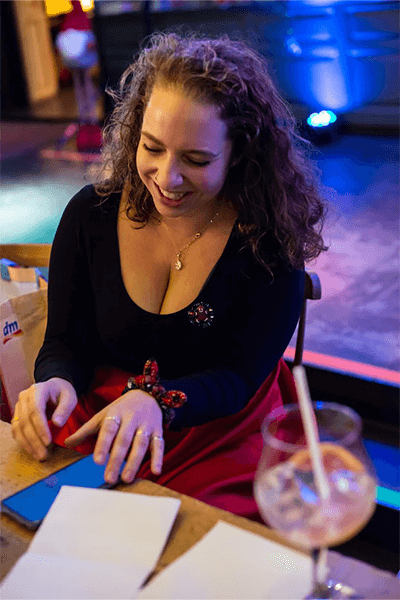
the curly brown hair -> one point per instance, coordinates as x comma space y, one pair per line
273, 185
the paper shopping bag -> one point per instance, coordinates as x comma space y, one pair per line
23, 322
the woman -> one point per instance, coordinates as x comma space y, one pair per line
191, 250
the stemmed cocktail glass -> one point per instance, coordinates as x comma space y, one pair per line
287, 495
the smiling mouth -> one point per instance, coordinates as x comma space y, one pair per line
174, 196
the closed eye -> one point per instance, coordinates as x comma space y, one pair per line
193, 162
151, 149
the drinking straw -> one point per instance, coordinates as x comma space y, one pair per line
311, 431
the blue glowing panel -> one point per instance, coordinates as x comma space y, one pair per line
386, 497
386, 459
326, 55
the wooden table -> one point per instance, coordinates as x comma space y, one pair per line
18, 470
193, 521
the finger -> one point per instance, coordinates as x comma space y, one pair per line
65, 405
16, 432
120, 449
108, 431
157, 452
28, 431
89, 428
38, 399
136, 455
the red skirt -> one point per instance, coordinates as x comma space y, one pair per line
214, 462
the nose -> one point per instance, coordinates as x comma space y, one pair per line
169, 174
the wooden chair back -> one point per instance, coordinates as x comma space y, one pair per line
27, 255
312, 291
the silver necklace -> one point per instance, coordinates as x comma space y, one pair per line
181, 253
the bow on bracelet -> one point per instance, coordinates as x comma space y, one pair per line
150, 382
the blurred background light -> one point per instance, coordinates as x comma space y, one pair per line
87, 4
328, 56
322, 118
59, 7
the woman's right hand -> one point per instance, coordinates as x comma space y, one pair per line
29, 423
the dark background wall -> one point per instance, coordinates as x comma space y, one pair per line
366, 37
368, 30
13, 86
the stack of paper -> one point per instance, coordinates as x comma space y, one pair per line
232, 563
93, 544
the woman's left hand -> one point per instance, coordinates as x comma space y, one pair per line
126, 428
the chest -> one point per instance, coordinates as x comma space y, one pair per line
148, 256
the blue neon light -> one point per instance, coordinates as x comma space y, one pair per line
386, 497
322, 118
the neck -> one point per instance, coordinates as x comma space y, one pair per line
186, 226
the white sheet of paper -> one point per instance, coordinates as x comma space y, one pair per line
233, 563
92, 543
54, 577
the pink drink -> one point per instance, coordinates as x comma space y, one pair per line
288, 501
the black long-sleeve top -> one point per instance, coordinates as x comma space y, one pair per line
93, 322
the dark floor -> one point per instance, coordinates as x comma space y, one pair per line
358, 316
59, 108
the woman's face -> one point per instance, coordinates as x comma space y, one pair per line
183, 153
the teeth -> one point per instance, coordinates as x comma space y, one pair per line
172, 196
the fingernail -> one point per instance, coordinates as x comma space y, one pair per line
127, 476
99, 458
57, 420
110, 478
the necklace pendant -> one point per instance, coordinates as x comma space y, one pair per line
178, 263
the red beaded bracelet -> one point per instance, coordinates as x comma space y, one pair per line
150, 382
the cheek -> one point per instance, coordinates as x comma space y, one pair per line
215, 179
138, 161
141, 164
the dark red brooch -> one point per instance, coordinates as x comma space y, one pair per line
201, 314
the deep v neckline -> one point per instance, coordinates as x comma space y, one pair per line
212, 273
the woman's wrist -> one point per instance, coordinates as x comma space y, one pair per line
150, 382
167, 413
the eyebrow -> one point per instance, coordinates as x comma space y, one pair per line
194, 151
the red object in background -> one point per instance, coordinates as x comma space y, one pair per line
76, 41
65, 78
89, 138
76, 19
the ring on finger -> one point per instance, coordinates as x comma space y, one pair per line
117, 420
143, 433
14, 419
157, 438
